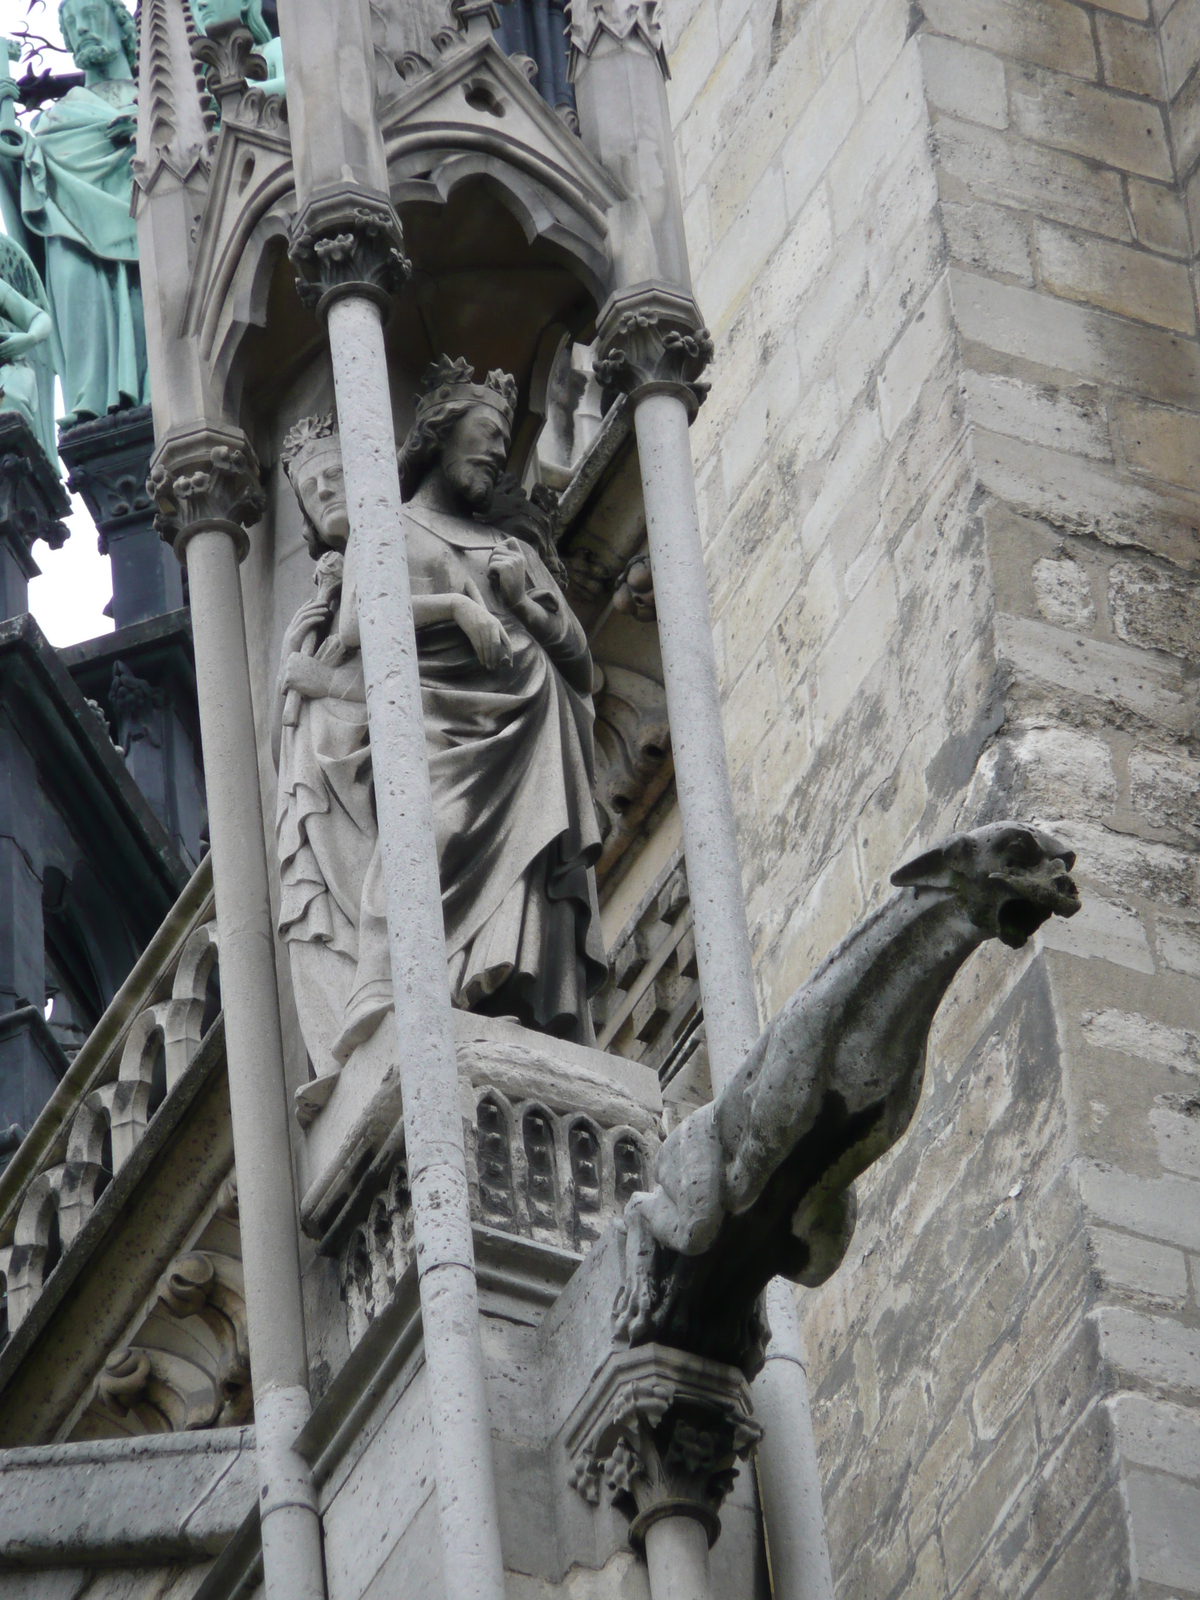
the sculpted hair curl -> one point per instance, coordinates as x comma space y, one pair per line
420, 450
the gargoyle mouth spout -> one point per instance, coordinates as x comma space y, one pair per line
1046, 891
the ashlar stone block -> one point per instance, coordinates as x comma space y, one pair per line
1130, 55
1047, 33
965, 81
1064, 595
1055, 110
1160, 440
1152, 1271
1131, 282
982, 163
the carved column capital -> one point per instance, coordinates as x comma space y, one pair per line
202, 481
348, 243
651, 341
662, 1432
592, 20
229, 52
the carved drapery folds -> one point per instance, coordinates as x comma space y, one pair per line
348, 243
653, 342
205, 481
662, 1433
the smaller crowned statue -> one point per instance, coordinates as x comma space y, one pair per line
26, 367
506, 691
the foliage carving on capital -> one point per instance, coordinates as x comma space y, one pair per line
230, 53
352, 244
664, 1438
647, 349
204, 484
620, 19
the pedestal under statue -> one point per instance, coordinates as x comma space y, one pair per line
505, 680
66, 184
250, 14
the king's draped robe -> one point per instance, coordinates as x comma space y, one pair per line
511, 768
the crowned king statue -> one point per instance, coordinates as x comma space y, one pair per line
505, 682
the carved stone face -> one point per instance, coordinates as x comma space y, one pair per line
91, 32
474, 454
321, 486
210, 11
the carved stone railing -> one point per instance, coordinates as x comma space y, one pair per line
536, 1170
101, 1111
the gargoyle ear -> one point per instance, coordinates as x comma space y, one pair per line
932, 870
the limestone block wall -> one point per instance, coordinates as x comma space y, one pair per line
949, 489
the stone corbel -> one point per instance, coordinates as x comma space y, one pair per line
651, 341
32, 499
202, 481
662, 1433
348, 243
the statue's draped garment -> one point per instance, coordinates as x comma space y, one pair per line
511, 771
73, 193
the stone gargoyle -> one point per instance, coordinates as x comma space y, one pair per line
759, 1183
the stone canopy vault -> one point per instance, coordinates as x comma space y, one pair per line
690, 554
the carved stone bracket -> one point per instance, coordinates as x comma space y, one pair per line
202, 481
619, 19
108, 459
651, 340
348, 243
32, 499
663, 1433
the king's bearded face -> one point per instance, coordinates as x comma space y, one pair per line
91, 32
474, 454
321, 486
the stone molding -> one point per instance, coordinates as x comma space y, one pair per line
348, 242
662, 1432
651, 341
32, 499
204, 481
591, 20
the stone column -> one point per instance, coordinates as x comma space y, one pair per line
205, 484
653, 346
662, 1432
348, 248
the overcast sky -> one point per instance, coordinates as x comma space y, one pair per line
68, 600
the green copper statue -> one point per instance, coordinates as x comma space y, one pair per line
26, 370
249, 13
66, 186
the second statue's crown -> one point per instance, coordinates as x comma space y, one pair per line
447, 381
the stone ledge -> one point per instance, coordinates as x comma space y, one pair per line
158, 1498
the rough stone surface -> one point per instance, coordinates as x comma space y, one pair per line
949, 497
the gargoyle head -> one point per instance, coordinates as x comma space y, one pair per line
1010, 878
